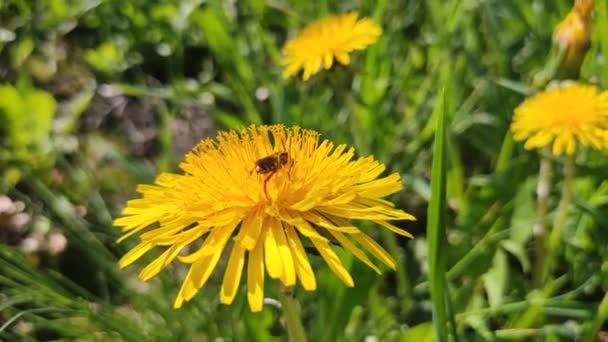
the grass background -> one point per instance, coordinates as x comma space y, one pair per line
97, 96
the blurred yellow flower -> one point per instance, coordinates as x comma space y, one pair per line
563, 116
572, 35
322, 41
225, 192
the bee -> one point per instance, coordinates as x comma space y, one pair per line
271, 164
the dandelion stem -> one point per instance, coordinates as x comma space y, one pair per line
291, 313
562, 213
540, 229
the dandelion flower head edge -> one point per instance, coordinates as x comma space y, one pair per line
224, 204
562, 117
322, 41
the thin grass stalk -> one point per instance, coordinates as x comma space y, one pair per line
562, 214
404, 288
18, 315
166, 139
543, 189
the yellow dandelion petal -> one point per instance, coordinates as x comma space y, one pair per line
306, 229
201, 271
289, 273
274, 266
197, 277
302, 265
320, 221
251, 228
539, 139
159, 263
259, 192
374, 248
333, 262
563, 117
393, 228
232, 277
255, 278
328, 60
134, 254
217, 239
179, 300
319, 43
347, 244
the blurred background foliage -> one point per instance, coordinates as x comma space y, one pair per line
97, 96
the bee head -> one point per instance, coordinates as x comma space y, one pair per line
283, 157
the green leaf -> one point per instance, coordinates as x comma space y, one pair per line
22, 51
40, 108
495, 280
524, 215
419, 333
107, 57
11, 108
27, 116
519, 251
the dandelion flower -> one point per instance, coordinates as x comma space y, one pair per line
573, 34
563, 116
322, 41
222, 202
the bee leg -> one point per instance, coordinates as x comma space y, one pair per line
290, 164
283, 144
266, 182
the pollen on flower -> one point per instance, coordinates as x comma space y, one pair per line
563, 117
319, 43
262, 224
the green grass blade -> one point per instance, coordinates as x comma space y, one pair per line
600, 317
436, 232
602, 14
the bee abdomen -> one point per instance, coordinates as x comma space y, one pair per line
265, 165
